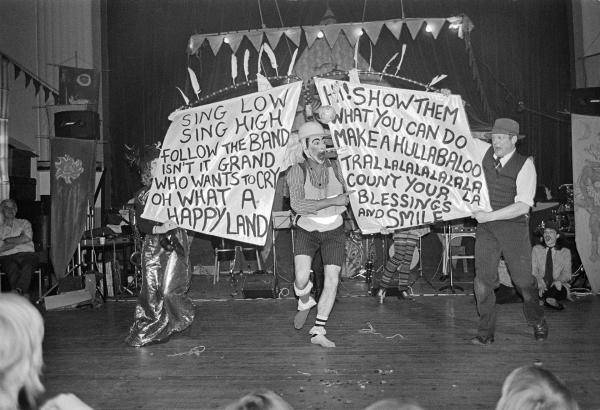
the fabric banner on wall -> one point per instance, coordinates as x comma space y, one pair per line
586, 187
78, 85
408, 155
219, 164
72, 173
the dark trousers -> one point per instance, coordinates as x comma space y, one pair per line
19, 269
511, 239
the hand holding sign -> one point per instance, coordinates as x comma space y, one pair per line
482, 216
341, 199
164, 228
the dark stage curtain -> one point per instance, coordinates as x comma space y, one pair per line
521, 48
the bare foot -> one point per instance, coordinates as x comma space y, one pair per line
322, 341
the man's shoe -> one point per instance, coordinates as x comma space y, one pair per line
540, 331
404, 294
553, 304
482, 340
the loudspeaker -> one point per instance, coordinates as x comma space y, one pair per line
77, 124
586, 101
260, 284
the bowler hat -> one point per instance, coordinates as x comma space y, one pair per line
311, 129
505, 126
550, 224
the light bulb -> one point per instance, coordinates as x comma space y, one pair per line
320, 34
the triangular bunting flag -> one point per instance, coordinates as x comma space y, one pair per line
196, 41
36, 86
262, 83
311, 34
46, 94
215, 43
395, 27
331, 33
234, 42
373, 29
352, 33
27, 80
414, 25
435, 25
255, 39
273, 37
17, 71
294, 35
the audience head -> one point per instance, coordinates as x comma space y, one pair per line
9, 208
260, 400
551, 233
534, 388
22, 330
394, 404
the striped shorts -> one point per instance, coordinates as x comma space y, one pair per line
332, 244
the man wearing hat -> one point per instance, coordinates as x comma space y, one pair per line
511, 180
317, 197
551, 267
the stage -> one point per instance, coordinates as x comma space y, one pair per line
415, 348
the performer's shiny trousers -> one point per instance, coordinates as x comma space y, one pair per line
163, 305
511, 239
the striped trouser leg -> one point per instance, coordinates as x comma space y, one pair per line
399, 264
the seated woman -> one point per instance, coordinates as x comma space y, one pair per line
551, 266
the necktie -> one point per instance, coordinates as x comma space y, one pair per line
548, 273
497, 163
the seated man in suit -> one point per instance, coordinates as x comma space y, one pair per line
551, 266
17, 253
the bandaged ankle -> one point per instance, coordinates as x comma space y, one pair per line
303, 292
306, 305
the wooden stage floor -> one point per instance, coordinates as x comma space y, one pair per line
416, 349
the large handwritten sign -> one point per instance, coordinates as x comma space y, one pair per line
219, 164
409, 155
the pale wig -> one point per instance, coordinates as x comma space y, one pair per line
260, 400
22, 330
534, 388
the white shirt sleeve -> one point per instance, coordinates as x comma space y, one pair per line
526, 183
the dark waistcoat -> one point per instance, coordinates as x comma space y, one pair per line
502, 183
